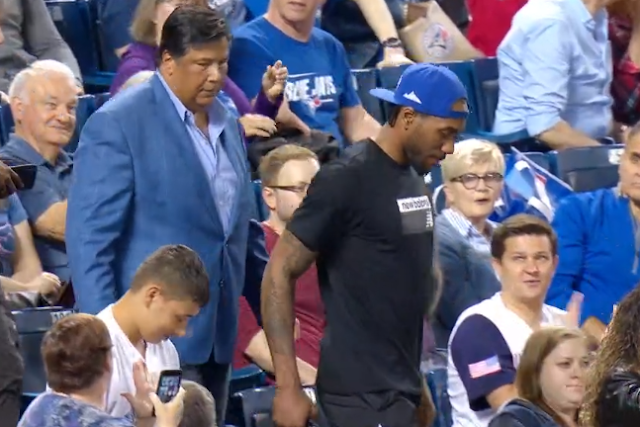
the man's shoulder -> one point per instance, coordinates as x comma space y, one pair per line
253, 30
328, 39
539, 13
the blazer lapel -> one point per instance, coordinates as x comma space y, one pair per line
178, 136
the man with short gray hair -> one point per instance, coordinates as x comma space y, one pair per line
43, 103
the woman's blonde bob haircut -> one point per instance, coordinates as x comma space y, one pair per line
143, 27
539, 346
468, 153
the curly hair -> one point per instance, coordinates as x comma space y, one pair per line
620, 348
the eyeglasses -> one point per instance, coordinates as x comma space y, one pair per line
298, 189
471, 180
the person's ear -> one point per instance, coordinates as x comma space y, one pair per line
269, 197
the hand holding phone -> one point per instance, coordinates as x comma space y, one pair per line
169, 384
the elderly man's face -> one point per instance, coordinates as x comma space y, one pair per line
47, 108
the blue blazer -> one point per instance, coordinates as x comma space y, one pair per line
467, 275
138, 184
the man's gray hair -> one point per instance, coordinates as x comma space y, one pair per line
37, 68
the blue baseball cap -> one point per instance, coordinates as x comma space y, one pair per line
428, 89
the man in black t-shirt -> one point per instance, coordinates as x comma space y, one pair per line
367, 221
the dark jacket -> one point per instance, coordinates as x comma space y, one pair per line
468, 278
619, 400
522, 413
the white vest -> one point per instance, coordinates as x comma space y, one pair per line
515, 332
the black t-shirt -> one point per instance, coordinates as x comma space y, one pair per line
344, 20
371, 223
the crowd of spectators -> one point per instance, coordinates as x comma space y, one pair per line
152, 223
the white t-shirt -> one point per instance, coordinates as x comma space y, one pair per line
159, 357
484, 351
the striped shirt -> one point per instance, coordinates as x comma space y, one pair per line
479, 241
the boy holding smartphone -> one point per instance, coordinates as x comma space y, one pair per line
167, 290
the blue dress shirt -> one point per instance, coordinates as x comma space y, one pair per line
211, 152
555, 64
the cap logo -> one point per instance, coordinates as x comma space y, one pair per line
412, 97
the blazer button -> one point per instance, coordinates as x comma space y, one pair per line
222, 283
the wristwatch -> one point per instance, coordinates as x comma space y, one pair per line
392, 43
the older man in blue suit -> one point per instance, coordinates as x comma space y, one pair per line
164, 163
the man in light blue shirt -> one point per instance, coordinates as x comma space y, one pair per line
555, 73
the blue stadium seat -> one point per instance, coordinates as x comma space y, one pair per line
244, 404
74, 21
485, 79
365, 80
587, 168
32, 324
86, 107
6, 123
250, 376
437, 382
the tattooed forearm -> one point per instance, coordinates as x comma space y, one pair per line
289, 259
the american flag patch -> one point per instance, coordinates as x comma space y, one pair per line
485, 367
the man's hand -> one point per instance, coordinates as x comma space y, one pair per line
9, 181
394, 57
257, 125
574, 308
45, 284
274, 80
292, 408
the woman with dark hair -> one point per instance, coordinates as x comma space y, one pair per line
550, 380
614, 382
77, 358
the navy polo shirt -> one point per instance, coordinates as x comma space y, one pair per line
51, 186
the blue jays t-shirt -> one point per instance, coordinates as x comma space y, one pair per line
320, 83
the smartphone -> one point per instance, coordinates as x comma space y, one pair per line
27, 174
169, 385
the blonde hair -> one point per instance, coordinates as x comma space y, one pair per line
274, 161
468, 153
137, 78
143, 27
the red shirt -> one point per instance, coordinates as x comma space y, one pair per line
308, 310
625, 87
490, 22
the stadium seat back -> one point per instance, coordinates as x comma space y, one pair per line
485, 76
437, 382
74, 22
365, 80
250, 376
6, 123
86, 107
587, 168
250, 402
32, 324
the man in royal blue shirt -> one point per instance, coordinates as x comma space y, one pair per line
320, 89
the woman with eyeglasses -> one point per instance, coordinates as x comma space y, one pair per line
473, 178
